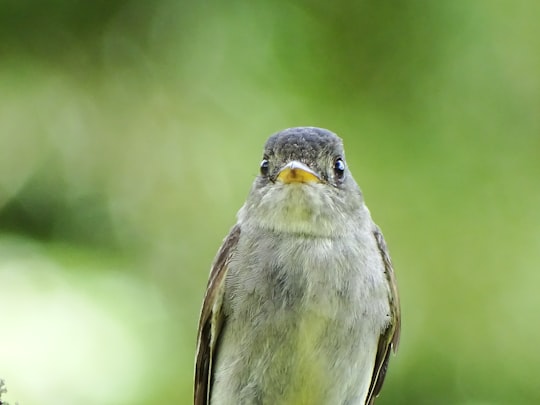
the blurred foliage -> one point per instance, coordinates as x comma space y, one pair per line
130, 132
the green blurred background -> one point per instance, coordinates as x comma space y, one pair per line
130, 132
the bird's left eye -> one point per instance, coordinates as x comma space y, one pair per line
339, 168
264, 167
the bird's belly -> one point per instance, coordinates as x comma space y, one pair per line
295, 359
333, 363
302, 330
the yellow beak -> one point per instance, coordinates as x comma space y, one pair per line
297, 172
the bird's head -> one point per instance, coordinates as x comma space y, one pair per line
304, 185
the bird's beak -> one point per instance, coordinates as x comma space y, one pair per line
297, 172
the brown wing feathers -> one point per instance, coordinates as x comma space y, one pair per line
211, 320
389, 339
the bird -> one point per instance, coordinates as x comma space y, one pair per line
301, 305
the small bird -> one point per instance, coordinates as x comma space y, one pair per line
301, 306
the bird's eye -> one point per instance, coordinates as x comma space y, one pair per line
339, 168
264, 167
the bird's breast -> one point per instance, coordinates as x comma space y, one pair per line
303, 318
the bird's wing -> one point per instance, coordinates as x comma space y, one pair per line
211, 320
389, 339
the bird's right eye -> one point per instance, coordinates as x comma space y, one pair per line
264, 167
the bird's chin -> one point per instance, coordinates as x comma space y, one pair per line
294, 208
